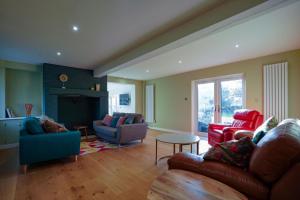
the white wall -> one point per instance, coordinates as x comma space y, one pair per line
114, 91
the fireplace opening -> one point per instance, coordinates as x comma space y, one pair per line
77, 110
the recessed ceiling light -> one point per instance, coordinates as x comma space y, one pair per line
237, 46
58, 53
147, 70
180, 61
75, 28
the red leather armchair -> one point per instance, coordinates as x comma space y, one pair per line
244, 119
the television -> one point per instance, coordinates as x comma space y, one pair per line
124, 99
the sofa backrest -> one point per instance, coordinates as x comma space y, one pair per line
276, 152
138, 118
245, 118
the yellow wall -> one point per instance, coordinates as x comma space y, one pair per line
139, 92
172, 111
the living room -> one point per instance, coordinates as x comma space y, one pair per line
148, 99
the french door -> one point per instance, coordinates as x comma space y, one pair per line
216, 100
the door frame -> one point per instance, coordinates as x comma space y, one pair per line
194, 96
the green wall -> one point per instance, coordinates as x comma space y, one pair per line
172, 111
139, 91
20, 83
23, 87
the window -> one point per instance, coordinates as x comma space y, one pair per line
216, 100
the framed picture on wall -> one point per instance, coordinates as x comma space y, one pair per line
124, 99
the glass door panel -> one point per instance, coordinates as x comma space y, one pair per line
231, 99
206, 105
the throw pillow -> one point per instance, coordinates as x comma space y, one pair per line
114, 122
33, 125
107, 120
261, 131
138, 118
234, 152
129, 119
121, 121
53, 127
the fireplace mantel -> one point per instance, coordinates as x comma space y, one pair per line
82, 92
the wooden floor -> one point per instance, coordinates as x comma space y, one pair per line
124, 173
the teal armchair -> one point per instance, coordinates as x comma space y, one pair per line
47, 146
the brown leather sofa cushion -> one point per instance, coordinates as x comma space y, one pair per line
288, 186
276, 152
230, 175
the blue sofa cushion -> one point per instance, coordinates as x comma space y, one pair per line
114, 121
129, 119
33, 125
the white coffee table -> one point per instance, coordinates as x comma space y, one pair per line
180, 139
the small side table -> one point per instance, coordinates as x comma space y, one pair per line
180, 139
82, 129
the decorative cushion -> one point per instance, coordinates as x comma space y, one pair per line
129, 119
107, 120
114, 122
138, 118
53, 127
261, 131
234, 152
243, 133
33, 125
121, 121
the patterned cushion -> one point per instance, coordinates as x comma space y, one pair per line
121, 121
261, 131
53, 127
234, 152
107, 120
114, 122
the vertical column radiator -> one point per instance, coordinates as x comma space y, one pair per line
276, 90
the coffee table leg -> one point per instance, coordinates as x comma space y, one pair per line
191, 148
86, 133
197, 148
180, 147
173, 149
156, 152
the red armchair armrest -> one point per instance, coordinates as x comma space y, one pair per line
218, 126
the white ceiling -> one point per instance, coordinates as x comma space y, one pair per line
32, 31
274, 32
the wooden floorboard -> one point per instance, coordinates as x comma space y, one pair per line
124, 174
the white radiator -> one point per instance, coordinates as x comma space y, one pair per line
276, 90
150, 103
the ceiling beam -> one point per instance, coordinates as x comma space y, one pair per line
217, 19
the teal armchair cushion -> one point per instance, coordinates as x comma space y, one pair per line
33, 125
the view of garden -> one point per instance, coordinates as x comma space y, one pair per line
231, 99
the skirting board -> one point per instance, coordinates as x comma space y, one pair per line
202, 135
9, 146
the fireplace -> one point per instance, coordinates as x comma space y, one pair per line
75, 104
77, 110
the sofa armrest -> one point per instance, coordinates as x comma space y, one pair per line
97, 123
35, 148
218, 126
129, 132
229, 132
233, 176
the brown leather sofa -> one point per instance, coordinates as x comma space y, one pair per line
273, 172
